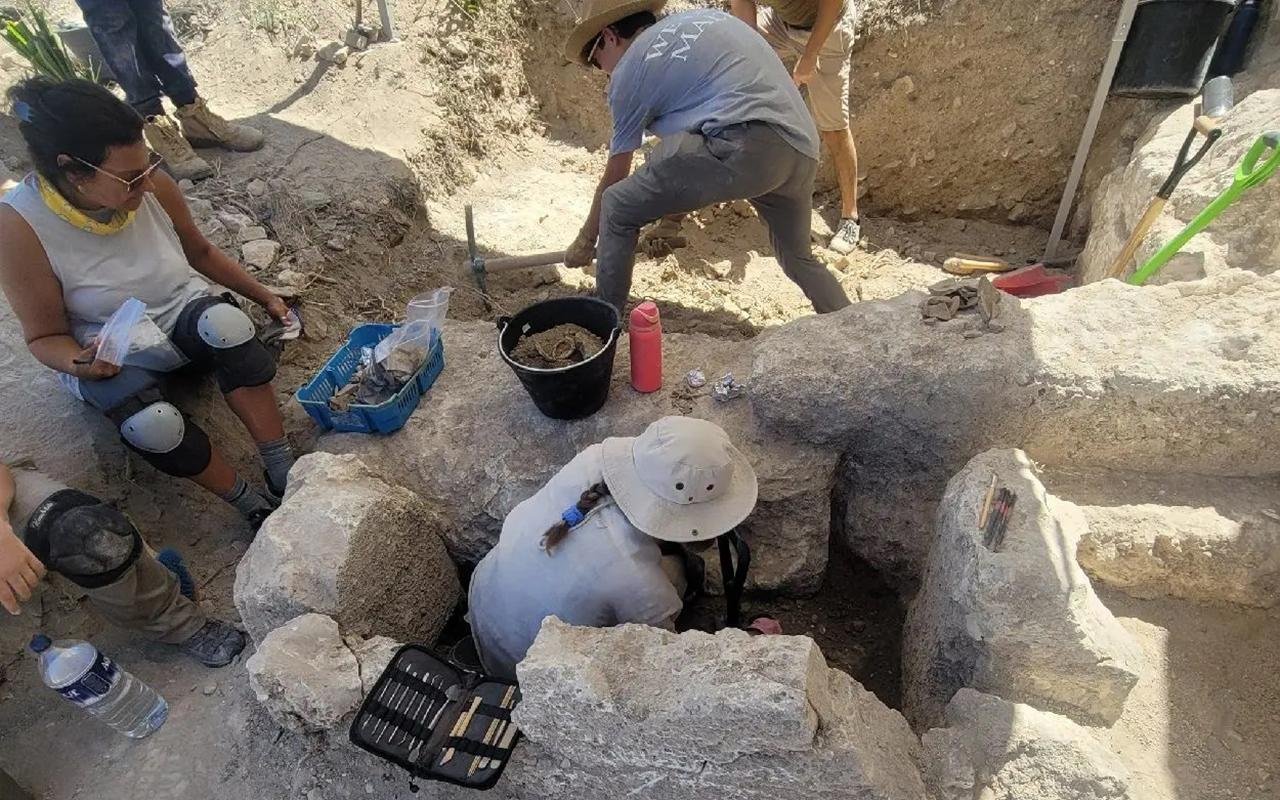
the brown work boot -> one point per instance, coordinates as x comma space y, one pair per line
203, 128
165, 139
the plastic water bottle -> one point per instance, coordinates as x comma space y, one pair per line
78, 672
645, 337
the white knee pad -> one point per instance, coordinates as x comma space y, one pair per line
224, 326
158, 428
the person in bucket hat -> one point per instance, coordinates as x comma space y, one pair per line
733, 126
599, 544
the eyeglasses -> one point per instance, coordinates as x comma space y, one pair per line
591, 54
131, 183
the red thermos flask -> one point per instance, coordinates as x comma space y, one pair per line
645, 337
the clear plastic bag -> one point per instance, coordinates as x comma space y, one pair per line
408, 346
130, 337
115, 336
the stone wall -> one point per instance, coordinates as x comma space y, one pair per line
1175, 379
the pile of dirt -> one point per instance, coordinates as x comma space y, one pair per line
559, 347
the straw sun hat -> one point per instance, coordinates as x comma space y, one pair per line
598, 15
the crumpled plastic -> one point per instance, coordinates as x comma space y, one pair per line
728, 388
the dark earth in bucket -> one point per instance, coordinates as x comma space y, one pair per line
575, 391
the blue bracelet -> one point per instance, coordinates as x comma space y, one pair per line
572, 516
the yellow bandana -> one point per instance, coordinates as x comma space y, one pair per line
63, 208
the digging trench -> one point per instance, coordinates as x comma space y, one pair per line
878, 510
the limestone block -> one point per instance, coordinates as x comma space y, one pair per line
996, 750
305, 675
1197, 554
43, 424
1022, 623
638, 710
477, 446
346, 544
1244, 236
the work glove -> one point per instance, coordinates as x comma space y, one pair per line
661, 239
581, 253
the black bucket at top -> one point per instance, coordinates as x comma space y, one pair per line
575, 391
1169, 47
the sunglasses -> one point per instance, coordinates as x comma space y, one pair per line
131, 183
591, 54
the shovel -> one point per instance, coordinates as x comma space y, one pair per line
1217, 101
1252, 171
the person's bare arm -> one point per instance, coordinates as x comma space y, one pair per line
828, 15
20, 571
583, 248
35, 295
616, 169
205, 257
744, 10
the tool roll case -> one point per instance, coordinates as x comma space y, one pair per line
438, 722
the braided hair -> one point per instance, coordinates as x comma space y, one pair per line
573, 516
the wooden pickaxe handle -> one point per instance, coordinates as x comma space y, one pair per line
1140, 230
523, 262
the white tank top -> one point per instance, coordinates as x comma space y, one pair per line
98, 273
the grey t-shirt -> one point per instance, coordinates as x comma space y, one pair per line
702, 71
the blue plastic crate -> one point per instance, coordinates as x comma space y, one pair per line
383, 418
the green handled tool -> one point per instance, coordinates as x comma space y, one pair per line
1252, 171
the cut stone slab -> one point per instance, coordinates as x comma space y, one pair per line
477, 446
645, 712
1177, 379
305, 675
346, 544
995, 750
1022, 623
1150, 551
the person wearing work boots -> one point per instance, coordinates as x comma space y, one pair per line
97, 225
733, 126
818, 35
44, 524
600, 544
137, 41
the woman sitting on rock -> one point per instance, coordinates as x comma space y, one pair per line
97, 224
588, 546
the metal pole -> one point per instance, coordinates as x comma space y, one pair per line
388, 32
1118, 37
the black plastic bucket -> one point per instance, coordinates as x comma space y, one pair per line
575, 391
1169, 47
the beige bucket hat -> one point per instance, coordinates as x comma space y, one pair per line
598, 15
681, 480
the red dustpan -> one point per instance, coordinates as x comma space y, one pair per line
1032, 281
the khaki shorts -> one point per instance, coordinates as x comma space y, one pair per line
828, 92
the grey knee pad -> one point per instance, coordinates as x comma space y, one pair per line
240, 360
83, 539
170, 442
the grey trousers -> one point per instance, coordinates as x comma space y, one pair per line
749, 161
145, 598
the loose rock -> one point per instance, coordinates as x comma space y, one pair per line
344, 543
251, 233
261, 253
305, 675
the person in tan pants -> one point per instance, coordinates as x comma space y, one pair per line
818, 36
46, 525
